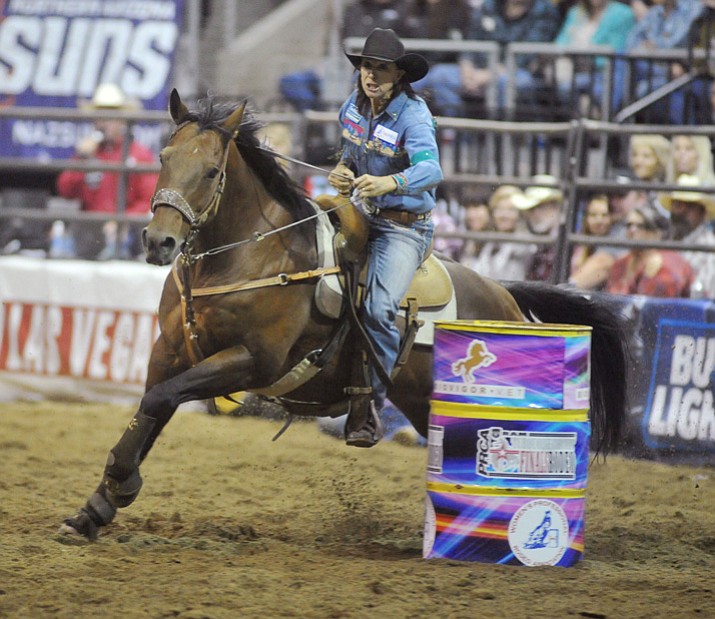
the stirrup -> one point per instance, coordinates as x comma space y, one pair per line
371, 432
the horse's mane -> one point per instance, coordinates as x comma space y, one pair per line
211, 114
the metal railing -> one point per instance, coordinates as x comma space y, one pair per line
561, 102
69, 210
124, 168
487, 152
482, 153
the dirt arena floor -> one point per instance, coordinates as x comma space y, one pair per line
230, 524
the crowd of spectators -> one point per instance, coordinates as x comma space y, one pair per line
455, 82
627, 213
457, 85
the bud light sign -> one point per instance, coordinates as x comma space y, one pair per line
680, 412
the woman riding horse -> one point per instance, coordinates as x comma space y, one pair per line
239, 313
390, 161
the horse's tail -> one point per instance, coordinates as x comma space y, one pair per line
609, 350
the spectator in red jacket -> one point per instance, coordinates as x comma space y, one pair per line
98, 190
648, 270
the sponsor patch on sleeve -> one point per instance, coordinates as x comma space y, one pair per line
353, 114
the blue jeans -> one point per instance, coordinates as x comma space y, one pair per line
395, 253
673, 109
302, 89
584, 83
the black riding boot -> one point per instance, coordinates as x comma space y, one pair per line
363, 427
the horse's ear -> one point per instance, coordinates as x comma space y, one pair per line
233, 123
177, 109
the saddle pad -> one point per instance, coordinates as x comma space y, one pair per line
431, 285
425, 334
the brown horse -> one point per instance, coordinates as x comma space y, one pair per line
238, 312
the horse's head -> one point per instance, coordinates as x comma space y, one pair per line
191, 181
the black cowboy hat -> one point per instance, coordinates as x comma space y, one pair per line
383, 44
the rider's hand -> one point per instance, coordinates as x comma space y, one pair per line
341, 178
369, 186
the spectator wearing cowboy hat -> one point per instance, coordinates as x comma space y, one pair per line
390, 164
503, 259
97, 190
691, 213
541, 207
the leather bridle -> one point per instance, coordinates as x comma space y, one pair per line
175, 200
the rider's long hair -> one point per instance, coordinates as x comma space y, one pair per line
363, 101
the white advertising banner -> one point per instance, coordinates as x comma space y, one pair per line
76, 329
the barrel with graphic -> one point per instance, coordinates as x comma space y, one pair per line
518, 365
508, 443
507, 447
512, 528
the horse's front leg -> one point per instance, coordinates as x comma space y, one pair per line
225, 372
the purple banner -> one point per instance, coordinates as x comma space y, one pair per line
517, 369
55, 54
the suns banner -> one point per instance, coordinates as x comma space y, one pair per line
55, 53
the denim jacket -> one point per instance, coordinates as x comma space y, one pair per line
400, 141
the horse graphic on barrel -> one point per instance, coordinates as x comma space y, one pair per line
478, 356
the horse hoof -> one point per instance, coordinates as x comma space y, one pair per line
80, 525
69, 536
